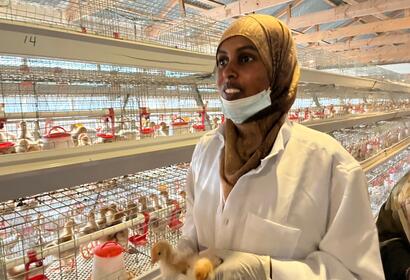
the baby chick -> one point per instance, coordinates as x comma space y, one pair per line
203, 269
102, 221
91, 225
158, 226
65, 235
172, 263
132, 211
155, 200
144, 204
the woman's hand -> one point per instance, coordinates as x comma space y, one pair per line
239, 265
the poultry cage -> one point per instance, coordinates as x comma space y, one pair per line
47, 104
46, 107
156, 22
53, 235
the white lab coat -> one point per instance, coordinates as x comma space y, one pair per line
306, 206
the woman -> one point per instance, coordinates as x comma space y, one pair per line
394, 231
275, 199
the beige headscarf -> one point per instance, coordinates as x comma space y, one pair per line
248, 143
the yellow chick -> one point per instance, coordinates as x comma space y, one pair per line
172, 263
65, 235
91, 225
102, 221
203, 269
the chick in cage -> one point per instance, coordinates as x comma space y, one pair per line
79, 134
25, 141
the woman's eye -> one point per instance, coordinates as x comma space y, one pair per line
222, 62
245, 59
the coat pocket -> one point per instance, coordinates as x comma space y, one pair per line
265, 237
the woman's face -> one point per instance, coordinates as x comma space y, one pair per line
240, 70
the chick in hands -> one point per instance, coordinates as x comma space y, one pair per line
173, 263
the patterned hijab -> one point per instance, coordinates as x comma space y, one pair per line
248, 143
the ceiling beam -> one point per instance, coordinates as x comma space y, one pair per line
195, 8
153, 30
381, 26
88, 7
284, 10
385, 53
370, 7
382, 61
182, 10
353, 2
210, 3
376, 41
25, 9
241, 7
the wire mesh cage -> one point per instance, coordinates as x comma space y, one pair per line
365, 141
383, 178
321, 102
157, 22
54, 234
47, 104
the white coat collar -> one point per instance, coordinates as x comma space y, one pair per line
283, 137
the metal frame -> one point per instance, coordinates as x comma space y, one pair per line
32, 173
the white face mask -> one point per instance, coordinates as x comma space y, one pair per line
242, 109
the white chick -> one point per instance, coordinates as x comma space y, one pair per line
65, 235
36, 132
158, 226
84, 139
173, 263
102, 221
144, 204
91, 225
155, 200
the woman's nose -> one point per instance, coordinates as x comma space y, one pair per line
230, 72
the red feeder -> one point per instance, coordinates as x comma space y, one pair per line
179, 122
109, 117
32, 259
141, 239
147, 130
6, 145
175, 223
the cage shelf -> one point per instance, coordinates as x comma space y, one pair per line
64, 44
79, 165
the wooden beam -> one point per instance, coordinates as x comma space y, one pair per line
209, 3
377, 61
27, 10
195, 8
381, 26
88, 7
182, 10
167, 8
407, 12
241, 7
153, 30
284, 10
376, 41
370, 7
379, 16
385, 53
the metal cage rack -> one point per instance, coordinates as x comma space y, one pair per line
62, 227
88, 103
383, 178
